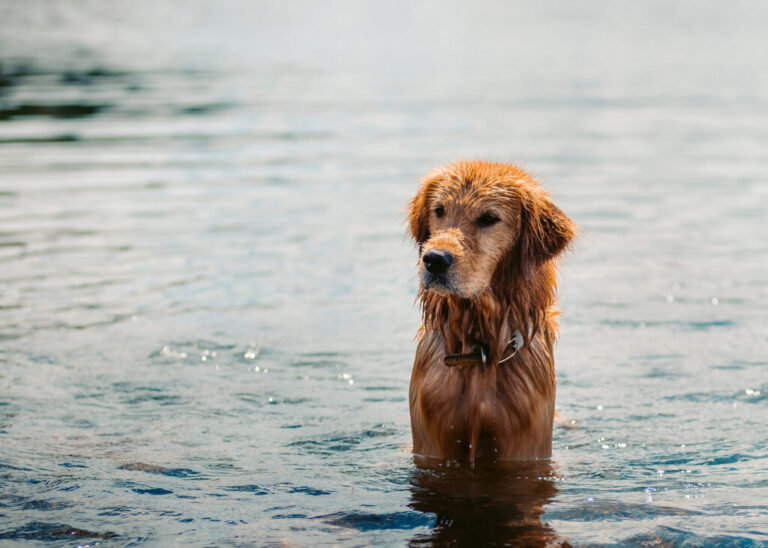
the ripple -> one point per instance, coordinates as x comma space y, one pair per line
61, 110
680, 324
206, 108
617, 511
152, 491
371, 522
38, 530
758, 394
327, 445
318, 363
248, 488
45, 505
668, 536
154, 469
309, 491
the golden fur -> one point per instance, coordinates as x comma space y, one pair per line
503, 234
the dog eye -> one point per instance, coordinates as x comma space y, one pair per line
487, 219
439, 211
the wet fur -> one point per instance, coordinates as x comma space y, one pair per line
503, 279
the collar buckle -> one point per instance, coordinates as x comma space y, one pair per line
516, 343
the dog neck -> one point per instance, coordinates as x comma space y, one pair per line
491, 317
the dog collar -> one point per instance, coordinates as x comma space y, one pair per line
480, 357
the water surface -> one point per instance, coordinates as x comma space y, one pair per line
207, 299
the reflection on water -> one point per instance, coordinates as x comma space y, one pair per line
206, 295
485, 506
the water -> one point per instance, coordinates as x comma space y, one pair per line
206, 296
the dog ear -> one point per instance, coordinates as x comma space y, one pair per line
545, 231
418, 210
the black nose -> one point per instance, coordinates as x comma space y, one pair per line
437, 262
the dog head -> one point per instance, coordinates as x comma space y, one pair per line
476, 222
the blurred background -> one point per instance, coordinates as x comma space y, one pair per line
207, 297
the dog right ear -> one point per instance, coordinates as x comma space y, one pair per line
545, 231
418, 211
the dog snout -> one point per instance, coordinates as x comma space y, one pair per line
437, 262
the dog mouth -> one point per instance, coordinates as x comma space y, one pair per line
443, 284
437, 282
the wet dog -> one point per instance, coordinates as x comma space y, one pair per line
483, 380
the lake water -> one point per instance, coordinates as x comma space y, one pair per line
207, 298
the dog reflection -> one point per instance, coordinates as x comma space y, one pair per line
495, 505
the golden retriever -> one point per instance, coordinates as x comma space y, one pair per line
483, 380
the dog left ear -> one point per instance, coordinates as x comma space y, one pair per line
545, 231
418, 211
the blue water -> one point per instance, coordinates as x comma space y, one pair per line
207, 298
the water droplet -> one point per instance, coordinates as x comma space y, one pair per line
590, 499
714, 301
599, 408
670, 299
251, 354
170, 353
